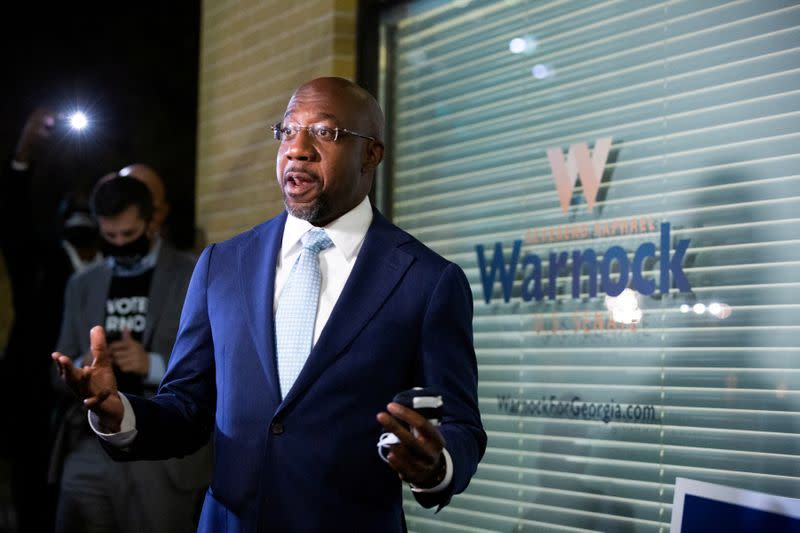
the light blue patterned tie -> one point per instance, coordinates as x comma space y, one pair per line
297, 309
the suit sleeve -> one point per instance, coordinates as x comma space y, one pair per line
178, 420
449, 365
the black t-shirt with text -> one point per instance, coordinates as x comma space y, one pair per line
126, 308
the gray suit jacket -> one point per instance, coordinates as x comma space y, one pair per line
84, 308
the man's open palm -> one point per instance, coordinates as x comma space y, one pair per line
94, 383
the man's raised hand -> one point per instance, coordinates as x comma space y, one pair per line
94, 382
37, 129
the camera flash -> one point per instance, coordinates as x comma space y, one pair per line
78, 120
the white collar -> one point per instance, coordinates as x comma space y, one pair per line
346, 232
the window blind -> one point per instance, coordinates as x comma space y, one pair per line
591, 420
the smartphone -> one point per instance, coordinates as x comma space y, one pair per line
423, 400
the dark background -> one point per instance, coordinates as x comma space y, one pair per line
132, 67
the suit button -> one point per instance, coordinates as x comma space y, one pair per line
277, 428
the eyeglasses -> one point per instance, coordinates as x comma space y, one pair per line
320, 132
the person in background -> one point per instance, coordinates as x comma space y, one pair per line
296, 336
147, 175
78, 233
39, 265
137, 293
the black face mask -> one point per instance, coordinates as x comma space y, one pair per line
128, 254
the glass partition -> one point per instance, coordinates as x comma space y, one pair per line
620, 181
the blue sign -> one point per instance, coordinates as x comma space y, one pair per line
533, 286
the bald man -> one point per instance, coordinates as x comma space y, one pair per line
147, 175
296, 335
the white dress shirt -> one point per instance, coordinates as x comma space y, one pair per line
335, 263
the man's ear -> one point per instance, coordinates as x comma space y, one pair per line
373, 156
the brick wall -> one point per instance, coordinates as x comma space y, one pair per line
253, 54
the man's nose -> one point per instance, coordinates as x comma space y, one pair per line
301, 147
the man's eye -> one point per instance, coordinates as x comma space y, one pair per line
325, 133
288, 131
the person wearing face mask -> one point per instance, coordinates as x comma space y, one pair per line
78, 236
137, 293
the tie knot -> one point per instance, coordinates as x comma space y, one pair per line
316, 240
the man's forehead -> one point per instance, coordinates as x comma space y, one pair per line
117, 223
131, 214
314, 114
313, 99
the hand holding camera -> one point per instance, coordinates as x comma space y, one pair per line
40, 126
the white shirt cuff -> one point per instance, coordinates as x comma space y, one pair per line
157, 369
448, 476
127, 428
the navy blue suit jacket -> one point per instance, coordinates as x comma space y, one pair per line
309, 462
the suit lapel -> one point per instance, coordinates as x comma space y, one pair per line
96, 298
257, 260
379, 268
160, 292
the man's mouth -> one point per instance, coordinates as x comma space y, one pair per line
298, 184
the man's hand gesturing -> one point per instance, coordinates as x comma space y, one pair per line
95, 383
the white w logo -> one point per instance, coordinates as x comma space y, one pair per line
579, 163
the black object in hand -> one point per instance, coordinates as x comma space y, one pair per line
423, 400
